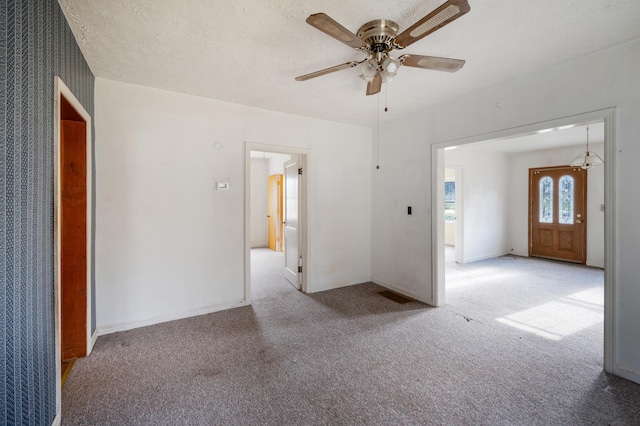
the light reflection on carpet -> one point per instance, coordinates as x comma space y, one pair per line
560, 318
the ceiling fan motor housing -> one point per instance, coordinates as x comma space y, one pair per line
379, 35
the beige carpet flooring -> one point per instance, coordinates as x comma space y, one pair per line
508, 349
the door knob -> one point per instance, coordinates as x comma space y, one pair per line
578, 221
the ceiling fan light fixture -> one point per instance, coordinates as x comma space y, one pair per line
368, 69
389, 69
390, 66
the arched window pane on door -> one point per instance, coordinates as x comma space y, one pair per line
546, 200
566, 200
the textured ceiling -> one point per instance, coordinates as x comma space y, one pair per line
249, 52
573, 135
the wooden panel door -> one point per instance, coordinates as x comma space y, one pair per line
280, 213
73, 286
275, 213
557, 213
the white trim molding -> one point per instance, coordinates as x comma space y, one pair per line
625, 373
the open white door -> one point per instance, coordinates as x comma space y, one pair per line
292, 263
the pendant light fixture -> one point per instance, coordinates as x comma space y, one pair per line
588, 158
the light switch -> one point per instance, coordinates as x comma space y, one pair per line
223, 186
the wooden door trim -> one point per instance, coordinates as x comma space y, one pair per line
61, 90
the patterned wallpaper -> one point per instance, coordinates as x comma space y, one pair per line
35, 45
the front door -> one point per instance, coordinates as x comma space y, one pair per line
292, 264
557, 213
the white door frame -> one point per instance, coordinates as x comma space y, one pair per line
61, 90
610, 279
304, 252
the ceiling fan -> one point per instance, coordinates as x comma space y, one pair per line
378, 38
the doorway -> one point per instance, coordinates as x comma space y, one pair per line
275, 228
438, 165
73, 230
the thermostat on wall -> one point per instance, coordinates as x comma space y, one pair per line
223, 186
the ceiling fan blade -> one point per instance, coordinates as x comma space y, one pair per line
329, 26
448, 12
327, 71
432, 62
375, 85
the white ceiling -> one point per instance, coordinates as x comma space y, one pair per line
545, 139
249, 52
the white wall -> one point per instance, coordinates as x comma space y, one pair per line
168, 245
402, 245
276, 163
259, 203
519, 165
484, 202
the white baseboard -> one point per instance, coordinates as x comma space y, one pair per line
57, 420
483, 257
336, 284
408, 293
114, 328
628, 374
92, 342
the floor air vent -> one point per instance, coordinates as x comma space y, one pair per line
395, 296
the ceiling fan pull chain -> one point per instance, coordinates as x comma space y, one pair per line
378, 135
386, 97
